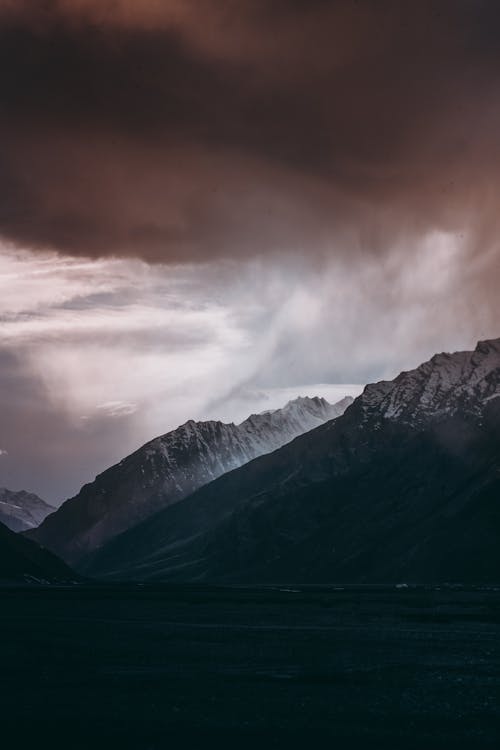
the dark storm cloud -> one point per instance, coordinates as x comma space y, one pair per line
189, 130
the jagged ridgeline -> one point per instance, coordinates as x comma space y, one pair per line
404, 486
168, 469
20, 510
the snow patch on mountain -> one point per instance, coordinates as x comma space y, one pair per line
198, 452
445, 384
20, 510
171, 467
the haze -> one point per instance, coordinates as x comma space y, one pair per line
210, 207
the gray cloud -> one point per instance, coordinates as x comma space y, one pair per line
87, 377
47, 449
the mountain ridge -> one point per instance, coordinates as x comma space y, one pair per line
21, 510
169, 468
430, 437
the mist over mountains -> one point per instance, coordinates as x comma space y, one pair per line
215, 209
169, 468
403, 484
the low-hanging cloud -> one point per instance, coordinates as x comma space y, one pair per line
99, 356
177, 131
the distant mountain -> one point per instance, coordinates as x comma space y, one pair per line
404, 486
24, 561
20, 510
169, 468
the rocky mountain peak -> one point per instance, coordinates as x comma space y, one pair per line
21, 510
167, 469
403, 486
444, 384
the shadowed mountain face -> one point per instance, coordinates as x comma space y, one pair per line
24, 561
403, 486
169, 468
22, 510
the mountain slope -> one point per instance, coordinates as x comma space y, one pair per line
169, 468
404, 484
22, 560
22, 510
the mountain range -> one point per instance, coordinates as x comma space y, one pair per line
403, 486
20, 510
169, 468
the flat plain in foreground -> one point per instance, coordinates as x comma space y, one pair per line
153, 667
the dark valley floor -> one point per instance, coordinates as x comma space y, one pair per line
152, 667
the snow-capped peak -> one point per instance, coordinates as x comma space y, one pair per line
442, 385
314, 405
21, 510
170, 467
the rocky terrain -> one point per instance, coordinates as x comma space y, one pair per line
168, 469
403, 486
22, 510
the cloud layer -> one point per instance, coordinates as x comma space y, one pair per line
99, 356
206, 205
192, 130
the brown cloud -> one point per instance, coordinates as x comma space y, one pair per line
190, 130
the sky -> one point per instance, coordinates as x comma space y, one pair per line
210, 206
